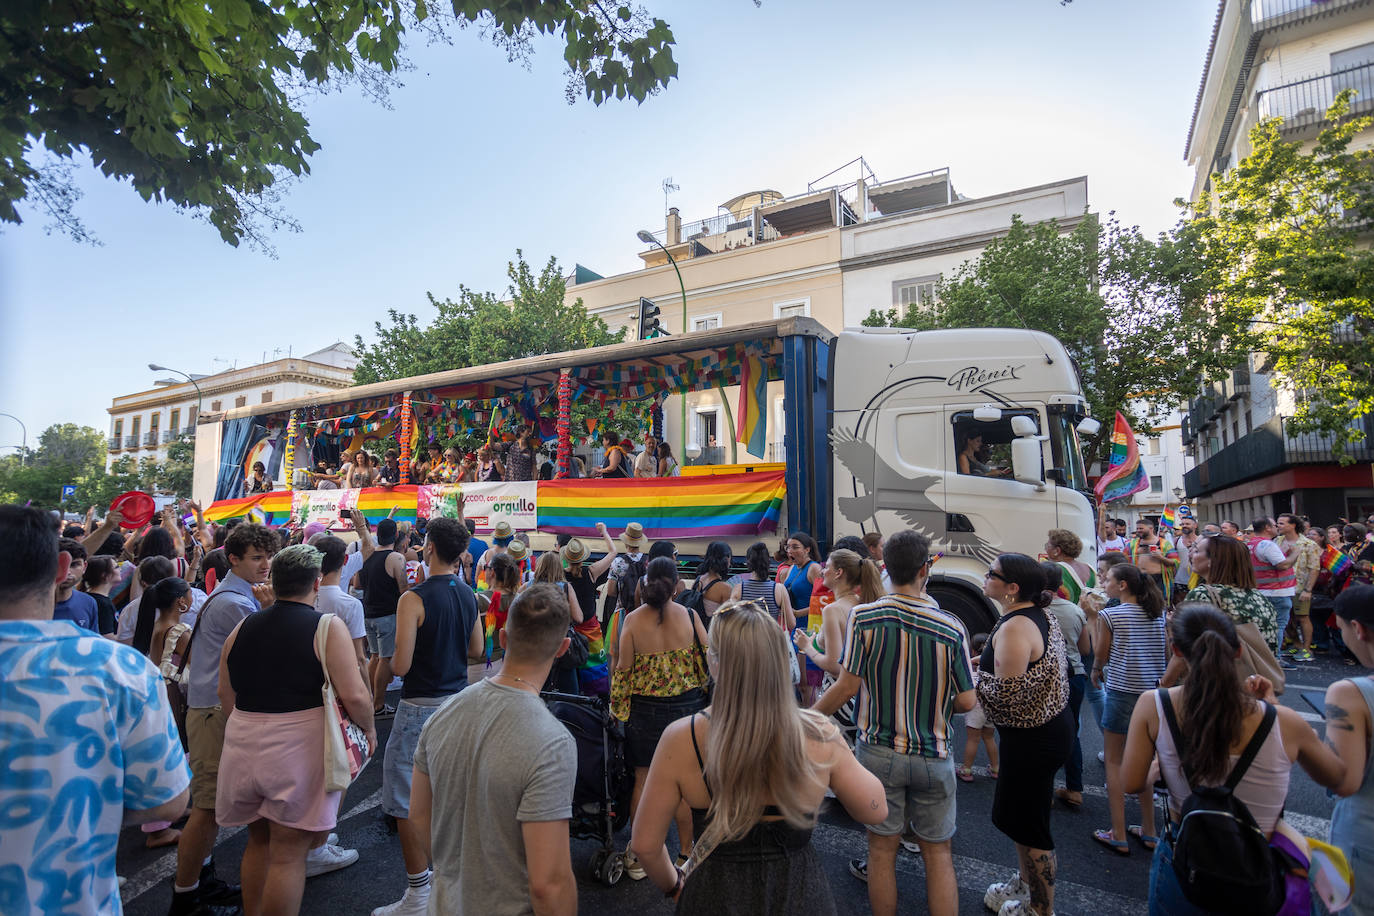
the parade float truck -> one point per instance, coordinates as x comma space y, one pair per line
874, 422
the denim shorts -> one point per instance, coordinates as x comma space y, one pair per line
920, 791
649, 716
1116, 710
381, 635
398, 762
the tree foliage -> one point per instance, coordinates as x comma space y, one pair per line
200, 104
479, 328
72, 454
1132, 311
1287, 232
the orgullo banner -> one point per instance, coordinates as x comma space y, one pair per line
512, 502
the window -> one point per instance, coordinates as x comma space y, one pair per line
154, 422
241, 401
1351, 78
918, 291
1156, 484
216, 406
987, 445
1152, 446
706, 322
792, 308
136, 423
118, 428
176, 420
707, 424
267, 397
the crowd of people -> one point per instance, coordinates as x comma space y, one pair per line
183, 671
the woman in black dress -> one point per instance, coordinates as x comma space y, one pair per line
1023, 687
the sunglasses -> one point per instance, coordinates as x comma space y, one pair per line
994, 574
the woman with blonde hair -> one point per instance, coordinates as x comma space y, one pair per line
854, 580
550, 569
754, 769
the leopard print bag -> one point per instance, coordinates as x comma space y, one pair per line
1035, 697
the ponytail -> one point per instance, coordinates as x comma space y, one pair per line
870, 582
1142, 587
146, 616
660, 582
1214, 702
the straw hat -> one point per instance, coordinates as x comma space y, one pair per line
517, 550
633, 536
574, 551
502, 530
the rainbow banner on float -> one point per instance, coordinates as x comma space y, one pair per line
484, 503
668, 507
1125, 474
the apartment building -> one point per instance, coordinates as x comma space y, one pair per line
144, 423
833, 252
1267, 58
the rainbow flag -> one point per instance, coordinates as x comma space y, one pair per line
1168, 519
281, 507
752, 424
1334, 561
264, 508
1125, 474
668, 507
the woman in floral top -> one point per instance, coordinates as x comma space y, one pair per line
660, 673
1224, 565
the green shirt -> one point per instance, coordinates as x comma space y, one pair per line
1242, 606
913, 660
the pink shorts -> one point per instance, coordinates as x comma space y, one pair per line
273, 767
975, 718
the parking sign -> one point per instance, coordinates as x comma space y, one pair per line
68, 491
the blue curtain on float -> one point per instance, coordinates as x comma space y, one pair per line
238, 438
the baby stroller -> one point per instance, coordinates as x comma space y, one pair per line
601, 795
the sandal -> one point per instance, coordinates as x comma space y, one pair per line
1149, 842
1068, 797
964, 773
993, 772
1120, 847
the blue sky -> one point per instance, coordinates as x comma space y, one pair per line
478, 157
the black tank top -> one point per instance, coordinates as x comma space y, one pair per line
380, 591
439, 667
584, 587
272, 666
1037, 616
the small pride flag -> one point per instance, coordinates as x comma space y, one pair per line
1334, 562
1169, 518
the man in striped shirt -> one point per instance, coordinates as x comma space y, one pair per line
908, 661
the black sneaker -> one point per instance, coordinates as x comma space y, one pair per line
213, 890
386, 712
190, 903
859, 869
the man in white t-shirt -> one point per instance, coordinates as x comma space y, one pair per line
1109, 537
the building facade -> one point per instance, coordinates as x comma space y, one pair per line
144, 423
1267, 58
833, 254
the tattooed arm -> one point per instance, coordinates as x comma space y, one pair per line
1348, 730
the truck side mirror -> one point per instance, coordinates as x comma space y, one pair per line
1088, 427
1027, 461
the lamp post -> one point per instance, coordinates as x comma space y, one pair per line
200, 399
647, 237
24, 433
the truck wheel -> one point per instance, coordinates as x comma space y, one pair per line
962, 603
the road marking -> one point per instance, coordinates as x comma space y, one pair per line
149, 876
974, 875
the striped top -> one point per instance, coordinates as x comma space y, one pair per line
913, 660
751, 589
1139, 651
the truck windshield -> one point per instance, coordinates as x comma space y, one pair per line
1068, 454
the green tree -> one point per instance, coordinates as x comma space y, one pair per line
173, 475
66, 453
1132, 311
480, 328
1287, 232
200, 104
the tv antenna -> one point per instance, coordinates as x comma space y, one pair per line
668, 188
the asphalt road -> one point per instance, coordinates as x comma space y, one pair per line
1091, 879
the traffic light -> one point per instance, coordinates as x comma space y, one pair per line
649, 323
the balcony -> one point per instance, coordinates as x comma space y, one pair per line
188, 430
131, 441
116, 442
150, 438
1303, 104
1268, 14
1268, 448
1238, 384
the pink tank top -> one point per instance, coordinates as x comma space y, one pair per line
1263, 788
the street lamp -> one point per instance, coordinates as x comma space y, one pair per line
200, 399
24, 432
647, 237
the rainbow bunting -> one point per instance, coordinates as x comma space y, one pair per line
1334, 561
1125, 474
667, 507
752, 425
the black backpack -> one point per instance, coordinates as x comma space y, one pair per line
694, 599
625, 585
1222, 860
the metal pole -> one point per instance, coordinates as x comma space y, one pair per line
24, 433
683, 287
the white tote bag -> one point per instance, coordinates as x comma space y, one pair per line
345, 744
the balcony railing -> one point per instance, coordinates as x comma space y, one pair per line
1266, 14
116, 442
1269, 448
188, 430
169, 435
150, 437
131, 441
1304, 103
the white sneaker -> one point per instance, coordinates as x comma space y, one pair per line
633, 870
1017, 908
414, 902
1000, 894
328, 858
